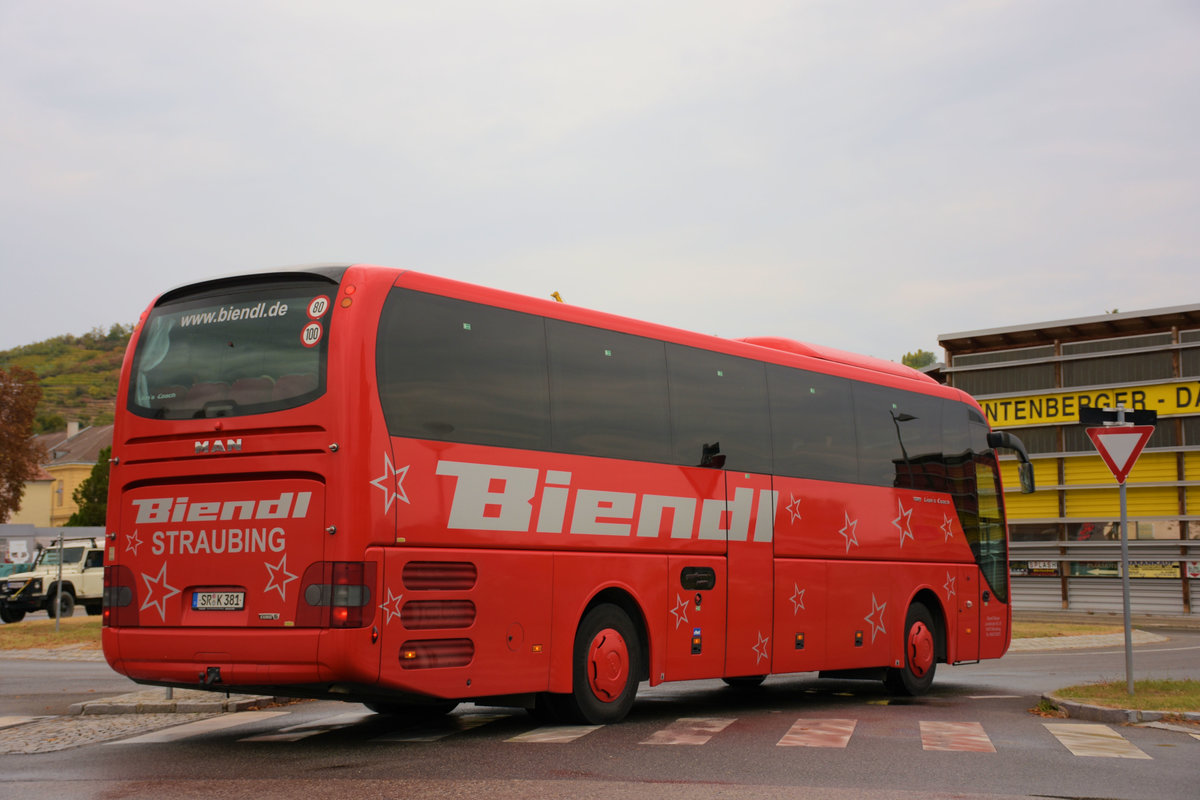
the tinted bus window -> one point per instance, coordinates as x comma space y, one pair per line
608, 393
463, 372
232, 351
718, 407
899, 438
812, 427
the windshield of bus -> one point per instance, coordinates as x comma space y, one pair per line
232, 351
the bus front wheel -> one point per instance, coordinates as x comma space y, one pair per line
606, 665
920, 655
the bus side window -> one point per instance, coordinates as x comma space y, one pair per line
812, 425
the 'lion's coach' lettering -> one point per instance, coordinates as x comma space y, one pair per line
493, 497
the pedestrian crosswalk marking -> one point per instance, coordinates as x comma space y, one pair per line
1094, 740
958, 736
294, 733
818, 733
201, 726
1080, 739
689, 730
448, 726
555, 734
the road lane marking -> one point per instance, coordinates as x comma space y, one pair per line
294, 733
689, 730
555, 734
1094, 740
958, 736
201, 727
8, 722
433, 732
818, 733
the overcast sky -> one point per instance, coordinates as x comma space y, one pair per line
859, 175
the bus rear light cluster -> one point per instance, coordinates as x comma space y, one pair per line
118, 607
337, 594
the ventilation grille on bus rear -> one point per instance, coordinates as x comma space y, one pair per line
436, 653
439, 575
420, 615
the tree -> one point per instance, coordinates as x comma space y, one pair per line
20, 455
92, 495
919, 359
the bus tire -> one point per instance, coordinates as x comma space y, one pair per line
920, 655
605, 673
65, 607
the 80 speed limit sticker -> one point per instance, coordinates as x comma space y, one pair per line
318, 307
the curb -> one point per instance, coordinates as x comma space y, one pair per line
1077, 710
183, 701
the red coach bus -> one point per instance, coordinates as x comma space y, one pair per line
381, 486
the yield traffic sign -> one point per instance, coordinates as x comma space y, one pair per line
1120, 446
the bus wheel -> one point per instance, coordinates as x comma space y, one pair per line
745, 681
920, 655
607, 661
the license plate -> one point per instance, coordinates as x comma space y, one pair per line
219, 601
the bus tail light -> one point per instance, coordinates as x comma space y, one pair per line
118, 608
338, 594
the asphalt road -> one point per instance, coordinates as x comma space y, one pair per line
339, 750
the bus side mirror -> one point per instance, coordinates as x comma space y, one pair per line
997, 439
1025, 473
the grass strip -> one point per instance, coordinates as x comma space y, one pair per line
38, 633
1148, 695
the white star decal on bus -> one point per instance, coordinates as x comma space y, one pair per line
760, 649
391, 482
949, 586
875, 618
679, 611
132, 543
391, 606
948, 526
797, 599
903, 522
793, 508
273, 582
166, 592
847, 532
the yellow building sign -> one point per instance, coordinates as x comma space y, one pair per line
1061, 407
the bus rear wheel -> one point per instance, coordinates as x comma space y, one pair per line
605, 672
920, 655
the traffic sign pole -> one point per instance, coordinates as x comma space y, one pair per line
1125, 591
1119, 444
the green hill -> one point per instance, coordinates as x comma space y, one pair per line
78, 373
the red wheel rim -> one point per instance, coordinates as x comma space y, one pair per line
608, 665
920, 649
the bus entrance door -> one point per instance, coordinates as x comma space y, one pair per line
748, 523
967, 598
